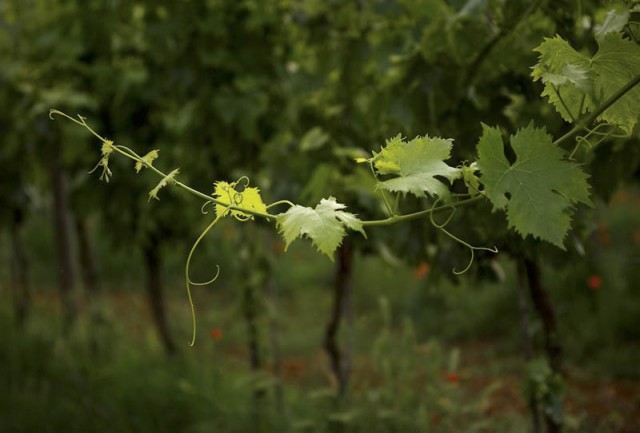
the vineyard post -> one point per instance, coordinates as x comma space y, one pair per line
152, 255
62, 229
19, 269
90, 279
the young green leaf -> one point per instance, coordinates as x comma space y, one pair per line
325, 225
105, 151
576, 83
249, 198
416, 165
167, 180
539, 189
146, 160
470, 178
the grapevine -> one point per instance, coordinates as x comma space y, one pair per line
539, 191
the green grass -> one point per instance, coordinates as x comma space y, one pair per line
408, 334
57, 384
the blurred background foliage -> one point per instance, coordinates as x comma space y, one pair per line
288, 92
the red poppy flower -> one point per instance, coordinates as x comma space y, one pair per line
421, 271
453, 378
216, 334
594, 282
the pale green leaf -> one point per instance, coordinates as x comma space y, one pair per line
616, 63
106, 150
470, 178
325, 225
567, 77
539, 189
570, 74
577, 84
167, 180
386, 162
614, 22
147, 160
348, 219
417, 166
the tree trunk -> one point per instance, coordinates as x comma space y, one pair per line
90, 282
271, 289
543, 306
274, 339
527, 338
19, 271
252, 257
153, 266
340, 364
88, 266
250, 312
62, 231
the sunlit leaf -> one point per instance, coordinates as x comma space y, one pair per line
325, 225
249, 198
417, 166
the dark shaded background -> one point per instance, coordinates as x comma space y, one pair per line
95, 318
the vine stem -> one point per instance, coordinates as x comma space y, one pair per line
400, 218
581, 124
134, 156
188, 281
129, 153
472, 249
584, 122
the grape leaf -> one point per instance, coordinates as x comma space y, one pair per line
167, 180
539, 189
613, 22
576, 83
106, 150
416, 165
325, 225
565, 72
471, 180
148, 159
249, 198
